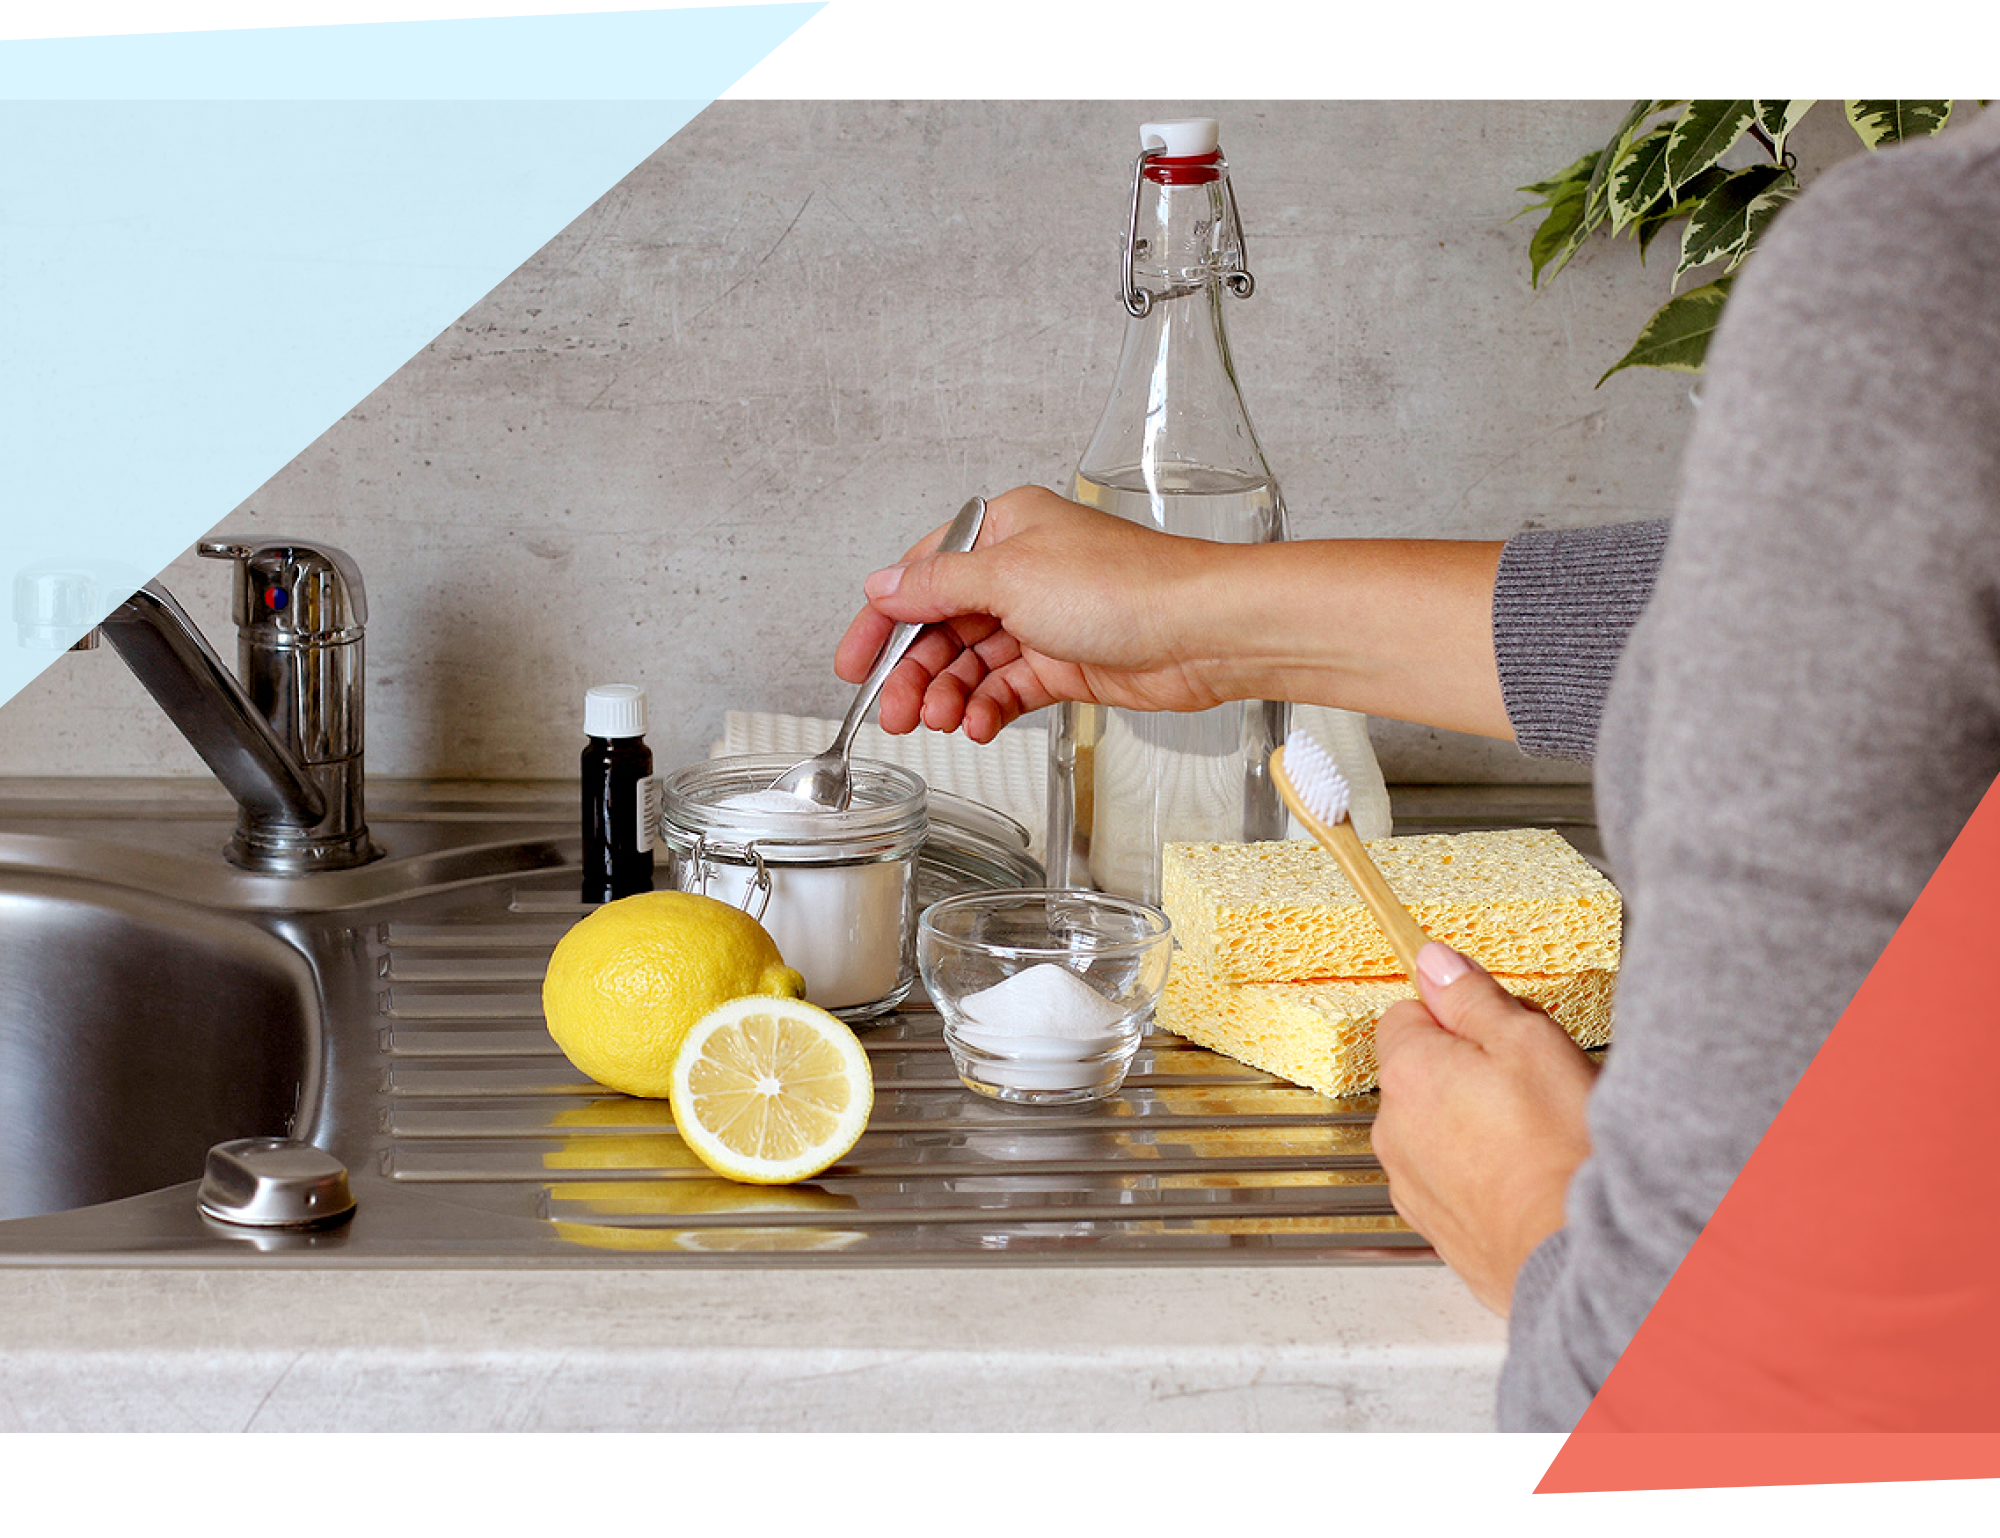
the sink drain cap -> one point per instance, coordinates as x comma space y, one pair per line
274, 1182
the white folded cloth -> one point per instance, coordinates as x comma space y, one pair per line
1010, 773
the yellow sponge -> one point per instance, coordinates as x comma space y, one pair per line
1519, 901
1322, 1034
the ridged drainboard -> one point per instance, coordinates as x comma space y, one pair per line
1198, 1157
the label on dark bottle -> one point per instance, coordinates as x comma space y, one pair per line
647, 799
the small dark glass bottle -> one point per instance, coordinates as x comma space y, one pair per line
621, 802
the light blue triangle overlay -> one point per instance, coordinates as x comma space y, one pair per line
191, 292
1049, 49
213, 245
691, 54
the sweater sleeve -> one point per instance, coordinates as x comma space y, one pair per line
1542, 1386
1564, 602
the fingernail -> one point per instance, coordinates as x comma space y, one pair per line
1441, 965
880, 584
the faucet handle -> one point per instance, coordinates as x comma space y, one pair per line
296, 589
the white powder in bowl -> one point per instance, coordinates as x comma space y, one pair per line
1045, 1000
1043, 1033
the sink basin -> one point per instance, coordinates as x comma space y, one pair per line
154, 1001
134, 1033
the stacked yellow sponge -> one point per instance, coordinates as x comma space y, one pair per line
1280, 965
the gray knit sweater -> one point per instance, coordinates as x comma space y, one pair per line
1806, 712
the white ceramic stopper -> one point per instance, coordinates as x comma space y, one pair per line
1180, 136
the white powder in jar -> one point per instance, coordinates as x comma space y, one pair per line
1044, 1000
771, 801
846, 928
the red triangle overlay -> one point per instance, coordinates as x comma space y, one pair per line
1829, 1509
1849, 1283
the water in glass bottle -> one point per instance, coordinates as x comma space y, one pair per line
1174, 449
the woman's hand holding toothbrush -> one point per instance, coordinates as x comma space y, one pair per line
1482, 1120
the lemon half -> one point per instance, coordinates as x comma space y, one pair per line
626, 983
771, 1090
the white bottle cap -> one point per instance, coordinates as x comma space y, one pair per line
1180, 136
614, 710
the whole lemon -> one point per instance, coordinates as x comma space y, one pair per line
626, 983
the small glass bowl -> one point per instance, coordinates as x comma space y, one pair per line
1044, 994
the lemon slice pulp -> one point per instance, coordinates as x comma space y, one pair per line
771, 1090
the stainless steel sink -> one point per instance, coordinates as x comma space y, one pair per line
134, 1033
155, 1000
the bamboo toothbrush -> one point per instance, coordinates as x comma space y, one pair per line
1317, 793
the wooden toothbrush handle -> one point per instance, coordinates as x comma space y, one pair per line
1406, 936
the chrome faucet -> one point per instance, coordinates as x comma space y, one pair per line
286, 739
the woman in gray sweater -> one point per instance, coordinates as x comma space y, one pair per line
1803, 716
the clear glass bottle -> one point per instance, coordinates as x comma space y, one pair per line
1175, 449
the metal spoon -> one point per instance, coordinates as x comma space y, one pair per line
823, 779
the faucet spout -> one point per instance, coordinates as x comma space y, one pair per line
167, 654
285, 737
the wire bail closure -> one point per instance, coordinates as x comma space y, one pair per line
1139, 301
760, 886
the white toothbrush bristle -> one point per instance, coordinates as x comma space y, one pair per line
1319, 783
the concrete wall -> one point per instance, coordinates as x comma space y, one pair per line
668, 447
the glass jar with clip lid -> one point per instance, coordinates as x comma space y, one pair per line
836, 890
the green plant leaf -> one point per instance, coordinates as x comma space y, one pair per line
1576, 174
1677, 336
1557, 236
1719, 227
1779, 118
1886, 122
1596, 194
1575, 196
1654, 220
1640, 179
1703, 135
1763, 209
1669, 209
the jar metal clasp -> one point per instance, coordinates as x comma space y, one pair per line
700, 859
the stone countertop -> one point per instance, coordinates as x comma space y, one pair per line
1321, 1348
